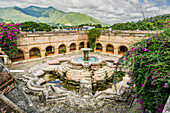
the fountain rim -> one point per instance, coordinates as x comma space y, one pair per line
86, 49
99, 60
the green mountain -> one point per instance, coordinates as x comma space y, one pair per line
48, 15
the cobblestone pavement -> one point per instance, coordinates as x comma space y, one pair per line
42, 108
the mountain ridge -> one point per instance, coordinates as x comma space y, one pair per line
49, 15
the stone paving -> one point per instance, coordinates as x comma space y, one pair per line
63, 103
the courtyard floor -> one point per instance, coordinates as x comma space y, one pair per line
26, 65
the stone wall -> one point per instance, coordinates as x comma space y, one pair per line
42, 40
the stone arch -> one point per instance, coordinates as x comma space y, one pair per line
49, 50
99, 47
19, 56
110, 48
81, 45
122, 49
72, 47
62, 49
34, 52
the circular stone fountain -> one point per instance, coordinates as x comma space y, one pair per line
85, 72
93, 66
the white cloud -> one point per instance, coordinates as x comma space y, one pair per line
107, 11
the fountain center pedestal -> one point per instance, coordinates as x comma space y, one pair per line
86, 53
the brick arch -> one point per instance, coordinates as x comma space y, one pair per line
22, 49
20, 55
99, 47
49, 51
62, 48
122, 45
72, 48
34, 54
109, 44
35, 47
59, 44
109, 48
122, 49
80, 46
48, 46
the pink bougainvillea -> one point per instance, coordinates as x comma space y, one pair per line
8, 39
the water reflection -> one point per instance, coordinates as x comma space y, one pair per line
54, 80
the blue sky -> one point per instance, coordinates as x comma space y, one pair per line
168, 2
107, 11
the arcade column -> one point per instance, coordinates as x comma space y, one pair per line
56, 51
77, 47
26, 55
67, 49
104, 49
116, 51
43, 53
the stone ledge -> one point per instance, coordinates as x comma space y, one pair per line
9, 105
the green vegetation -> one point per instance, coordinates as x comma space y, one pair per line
152, 23
46, 54
93, 34
63, 50
148, 64
33, 26
48, 15
8, 39
38, 54
156, 18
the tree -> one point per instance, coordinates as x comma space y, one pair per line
8, 39
31, 26
98, 26
93, 34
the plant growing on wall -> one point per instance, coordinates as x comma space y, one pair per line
63, 50
46, 54
93, 34
148, 64
8, 39
38, 54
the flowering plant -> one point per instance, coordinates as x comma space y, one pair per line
148, 64
8, 39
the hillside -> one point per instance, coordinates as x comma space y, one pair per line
48, 15
156, 18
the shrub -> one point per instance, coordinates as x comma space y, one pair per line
148, 64
46, 53
8, 39
93, 34
38, 54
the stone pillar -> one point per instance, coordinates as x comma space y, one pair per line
56, 51
116, 50
77, 47
6, 59
42, 53
26, 55
85, 44
104, 49
67, 49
